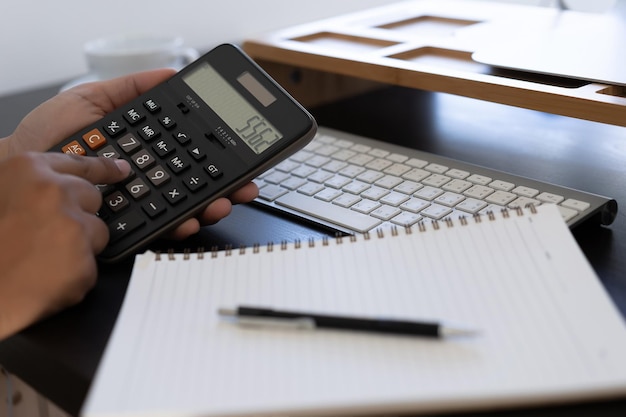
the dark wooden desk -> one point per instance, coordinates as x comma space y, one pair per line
59, 356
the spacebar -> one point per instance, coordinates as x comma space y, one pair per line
329, 212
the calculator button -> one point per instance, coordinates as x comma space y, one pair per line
105, 188
178, 164
174, 195
195, 182
149, 133
163, 148
167, 122
94, 139
182, 138
158, 176
143, 160
213, 171
137, 188
124, 225
132, 116
114, 127
153, 208
74, 148
196, 153
128, 143
104, 213
116, 201
151, 105
108, 152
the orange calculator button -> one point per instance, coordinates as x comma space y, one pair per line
94, 139
74, 148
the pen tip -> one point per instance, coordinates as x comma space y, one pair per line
226, 312
458, 332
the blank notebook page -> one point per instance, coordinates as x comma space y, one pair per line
548, 330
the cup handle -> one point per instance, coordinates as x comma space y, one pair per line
189, 55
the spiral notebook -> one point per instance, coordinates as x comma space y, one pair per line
548, 330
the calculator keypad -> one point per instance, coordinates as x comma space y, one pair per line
171, 165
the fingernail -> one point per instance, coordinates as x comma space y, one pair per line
123, 166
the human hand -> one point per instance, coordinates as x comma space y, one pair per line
50, 233
71, 110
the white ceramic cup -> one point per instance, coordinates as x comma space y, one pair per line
111, 57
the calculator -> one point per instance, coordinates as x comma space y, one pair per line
211, 128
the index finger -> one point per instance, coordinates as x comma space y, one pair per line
96, 170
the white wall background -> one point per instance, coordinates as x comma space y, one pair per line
41, 41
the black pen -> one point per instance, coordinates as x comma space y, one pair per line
256, 316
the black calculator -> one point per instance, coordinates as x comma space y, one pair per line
211, 128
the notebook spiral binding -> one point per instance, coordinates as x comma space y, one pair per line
270, 246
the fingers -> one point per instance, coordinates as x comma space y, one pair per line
123, 89
216, 211
68, 112
93, 169
245, 194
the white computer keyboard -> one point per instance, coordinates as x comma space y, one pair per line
356, 184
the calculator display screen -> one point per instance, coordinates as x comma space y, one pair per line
250, 125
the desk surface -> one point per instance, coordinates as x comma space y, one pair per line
59, 356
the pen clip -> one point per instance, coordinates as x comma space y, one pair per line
300, 323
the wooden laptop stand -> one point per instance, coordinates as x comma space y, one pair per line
429, 45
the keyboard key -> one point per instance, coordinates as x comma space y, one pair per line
471, 205
550, 198
524, 202
337, 181
575, 204
366, 206
436, 180
479, 179
428, 193
394, 199
293, 183
449, 199
408, 187
328, 194
310, 188
500, 197
346, 200
502, 185
385, 212
374, 193
436, 211
388, 182
406, 219
525, 191
478, 191
436, 168
415, 205
356, 187
457, 185
370, 176
271, 192
416, 175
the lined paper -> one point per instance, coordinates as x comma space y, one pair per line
548, 330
